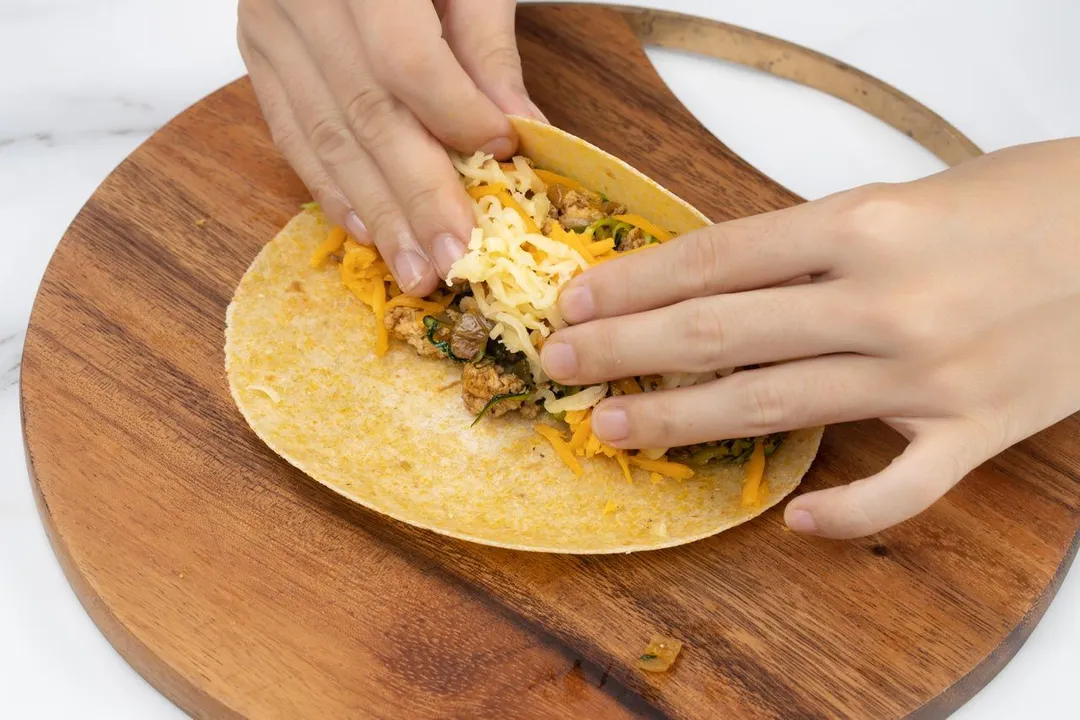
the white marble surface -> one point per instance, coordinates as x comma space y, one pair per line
83, 82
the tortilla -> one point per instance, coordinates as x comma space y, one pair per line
392, 434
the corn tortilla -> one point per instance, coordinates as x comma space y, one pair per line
392, 434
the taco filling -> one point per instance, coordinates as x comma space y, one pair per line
535, 230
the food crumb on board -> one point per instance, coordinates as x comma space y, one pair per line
659, 654
201, 222
181, 576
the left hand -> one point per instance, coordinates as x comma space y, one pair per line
949, 307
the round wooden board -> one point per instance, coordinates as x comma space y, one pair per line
238, 587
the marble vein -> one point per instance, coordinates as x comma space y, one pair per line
10, 359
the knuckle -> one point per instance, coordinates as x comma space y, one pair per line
654, 422
706, 336
500, 55
599, 358
766, 407
404, 61
423, 198
702, 264
383, 218
916, 328
370, 114
871, 213
332, 141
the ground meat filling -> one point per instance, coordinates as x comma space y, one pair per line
480, 382
578, 209
407, 324
634, 239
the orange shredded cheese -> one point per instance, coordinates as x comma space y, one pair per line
647, 226
620, 457
499, 191
627, 386
656, 478
333, 242
484, 190
554, 437
550, 178
573, 241
601, 246
581, 433
508, 201
664, 467
755, 471
378, 305
592, 446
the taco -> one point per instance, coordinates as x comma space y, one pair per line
436, 411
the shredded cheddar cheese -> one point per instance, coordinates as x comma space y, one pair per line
554, 437
600, 247
515, 273
550, 178
664, 467
755, 471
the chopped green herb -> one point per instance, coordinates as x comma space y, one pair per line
497, 399
647, 657
433, 325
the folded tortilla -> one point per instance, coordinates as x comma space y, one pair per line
392, 434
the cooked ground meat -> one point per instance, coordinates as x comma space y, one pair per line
576, 210
481, 382
405, 323
634, 239
469, 336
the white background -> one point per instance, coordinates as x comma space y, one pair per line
83, 82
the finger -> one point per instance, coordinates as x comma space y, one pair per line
347, 163
407, 52
747, 254
705, 334
290, 140
932, 464
750, 403
482, 37
413, 164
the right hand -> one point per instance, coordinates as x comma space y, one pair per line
361, 97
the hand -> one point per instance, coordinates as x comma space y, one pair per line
949, 307
361, 97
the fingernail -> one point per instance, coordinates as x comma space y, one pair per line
501, 147
410, 267
576, 304
356, 227
558, 360
534, 111
447, 250
610, 424
801, 521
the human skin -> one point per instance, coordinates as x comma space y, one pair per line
949, 307
363, 96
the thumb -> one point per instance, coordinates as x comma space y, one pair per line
938, 457
481, 34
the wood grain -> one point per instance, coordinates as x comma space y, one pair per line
238, 587
806, 67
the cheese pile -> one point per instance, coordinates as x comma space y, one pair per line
514, 270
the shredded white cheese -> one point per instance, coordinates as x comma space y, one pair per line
515, 274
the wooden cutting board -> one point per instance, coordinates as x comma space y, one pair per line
240, 588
